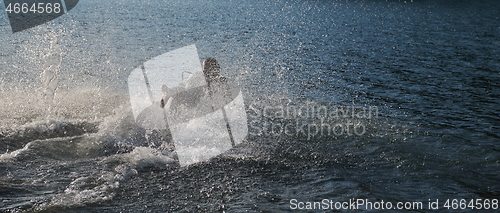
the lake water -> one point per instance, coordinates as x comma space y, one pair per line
393, 101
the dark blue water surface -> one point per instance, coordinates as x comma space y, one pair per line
410, 89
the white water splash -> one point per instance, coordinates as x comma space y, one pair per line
49, 75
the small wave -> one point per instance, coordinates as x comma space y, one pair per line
96, 188
139, 159
12, 139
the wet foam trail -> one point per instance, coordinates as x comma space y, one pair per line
76, 157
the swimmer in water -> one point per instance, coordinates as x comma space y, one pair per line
211, 72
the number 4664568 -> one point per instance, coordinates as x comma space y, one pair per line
34, 8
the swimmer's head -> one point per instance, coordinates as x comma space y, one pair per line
211, 67
165, 90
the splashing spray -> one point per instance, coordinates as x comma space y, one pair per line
49, 76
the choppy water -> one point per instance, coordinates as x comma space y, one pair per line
429, 71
